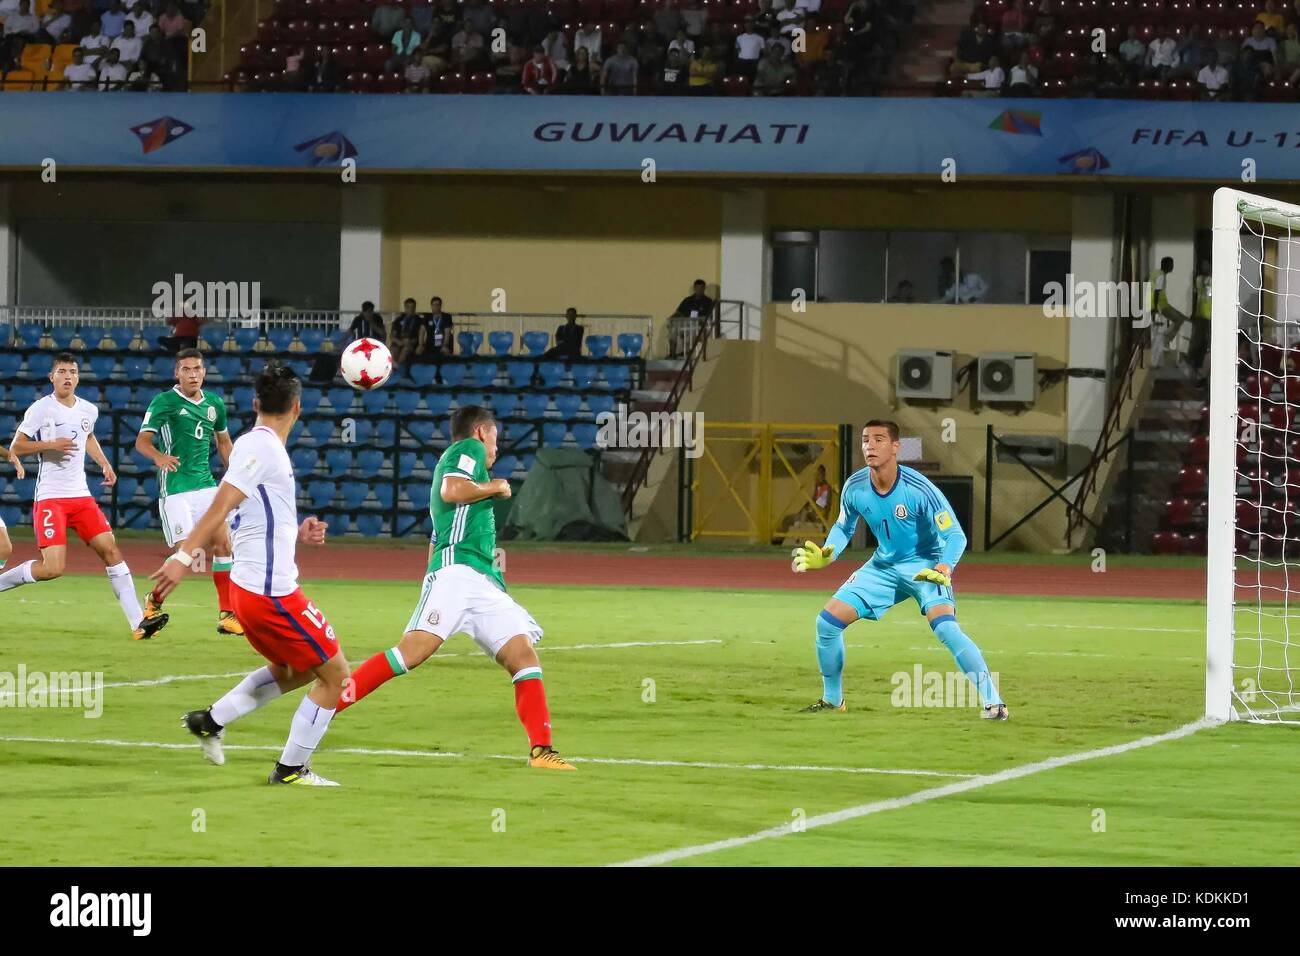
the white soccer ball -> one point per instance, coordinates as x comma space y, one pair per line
366, 364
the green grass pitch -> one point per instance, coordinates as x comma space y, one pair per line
432, 764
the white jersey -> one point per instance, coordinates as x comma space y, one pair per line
60, 476
265, 529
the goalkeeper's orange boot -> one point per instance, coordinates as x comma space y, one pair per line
548, 759
822, 705
227, 623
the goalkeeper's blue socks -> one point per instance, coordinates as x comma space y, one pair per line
967, 655
830, 657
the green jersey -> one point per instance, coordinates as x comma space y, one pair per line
187, 429
463, 534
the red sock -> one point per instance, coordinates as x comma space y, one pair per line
530, 705
221, 580
371, 674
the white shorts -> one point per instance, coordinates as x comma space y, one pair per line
181, 511
458, 599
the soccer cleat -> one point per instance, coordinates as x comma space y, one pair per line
203, 727
548, 759
150, 626
822, 705
996, 712
302, 776
227, 623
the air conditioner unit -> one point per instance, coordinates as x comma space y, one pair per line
1005, 377
925, 373
1041, 451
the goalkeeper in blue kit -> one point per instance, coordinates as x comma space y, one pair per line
919, 545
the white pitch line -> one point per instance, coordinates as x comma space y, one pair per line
391, 752
1117, 627
921, 796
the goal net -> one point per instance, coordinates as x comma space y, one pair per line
1253, 512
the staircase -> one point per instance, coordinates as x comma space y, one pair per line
654, 395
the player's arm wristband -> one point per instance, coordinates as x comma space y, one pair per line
185, 559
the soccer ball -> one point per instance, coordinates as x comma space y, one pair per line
366, 364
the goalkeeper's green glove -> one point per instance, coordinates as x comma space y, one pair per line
810, 557
934, 577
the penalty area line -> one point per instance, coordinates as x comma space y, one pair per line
921, 796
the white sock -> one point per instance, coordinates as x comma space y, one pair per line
17, 577
255, 690
119, 576
309, 725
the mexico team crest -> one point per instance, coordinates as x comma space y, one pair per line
900, 511
212, 414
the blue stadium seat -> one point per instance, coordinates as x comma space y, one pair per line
339, 338
617, 377
567, 405
153, 334
364, 432
135, 368
585, 436
406, 400
340, 397
321, 493
454, 374
535, 403
371, 525
553, 434
520, 374
163, 369
126, 489
301, 368
536, 342
10, 363
96, 485
142, 395
374, 402
430, 459
149, 487
598, 346
130, 426
120, 336
30, 334
354, 493
551, 373
280, 338
242, 399
438, 403
214, 335
91, 337
321, 430
118, 396
501, 342
385, 433
8, 425
64, 335
11, 515
339, 461
6, 334
235, 424
481, 375
311, 399
230, 367
631, 343
583, 376
383, 494
24, 488
405, 464
423, 374
370, 462
304, 460
473, 398
504, 404
103, 428
312, 340
470, 342
423, 430
600, 404
246, 338
517, 430
141, 521
419, 493
505, 466
340, 524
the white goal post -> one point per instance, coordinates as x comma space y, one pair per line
1253, 481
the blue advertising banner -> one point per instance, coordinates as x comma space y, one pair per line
982, 137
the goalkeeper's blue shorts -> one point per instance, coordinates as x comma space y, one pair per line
875, 588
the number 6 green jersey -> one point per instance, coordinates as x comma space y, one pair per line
186, 428
463, 534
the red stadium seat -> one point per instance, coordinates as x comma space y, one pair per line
1183, 89
482, 83
355, 32
1270, 358
360, 82
1191, 481
390, 83
373, 56
1166, 542
1198, 451
1248, 518
1257, 386
1180, 513
270, 31
1248, 412
276, 55
452, 83
736, 86
620, 11
562, 10
1194, 542
591, 9
347, 56
1066, 63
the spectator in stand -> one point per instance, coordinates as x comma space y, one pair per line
509, 67
749, 49
326, 76
445, 21
651, 52
788, 19
1193, 53
295, 69
970, 287
1114, 81
22, 24
685, 320
905, 292
1024, 77
684, 46
539, 73
772, 73
974, 48
1133, 51
1264, 48
418, 76
587, 38
55, 23
79, 75
1288, 56
705, 71
815, 43
1015, 25
95, 45
1225, 44
481, 17
990, 78
668, 20
1162, 55
859, 27
568, 338
673, 78
830, 75
1272, 20
158, 58
173, 22
128, 46
405, 42
404, 334
1213, 78
468, 51
368, 324
618, 75
695, 19
556, 48
141, 17
1247, 75
809, 9
765, 19
582, 79
387, 20
697, 305
437, 332
112, 20
185, 329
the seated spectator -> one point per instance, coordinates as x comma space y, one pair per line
405, 42
830, 75
95, 46
539, 73
904, 292
788, 19
1272, 20
1264, 48
128, 46
765, 19
55, 23
772, 73
173, 22
1133, 51
445, 21
970, 287
1024, 77
809, 9
974, 48
1193, 52
651, 53
141, 17
1114, 79
418, 76
668, 20
556, 48
112, 20
158, 58
112, 73
695, 19
618, 75
674, 76
22, 23
481, 17
387, 20
1288, 56
79, 75
368, 324
1015, 25
686, 318
1247, 75
705, 73
749, 49
1162, 55
1212, 78
582, 79
404, 333
437, 332
991, 78
684, 45
185, 328
588, 38
468, 51
568, 338
326, 76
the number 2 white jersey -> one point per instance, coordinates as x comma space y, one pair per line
48, 419
265, 529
